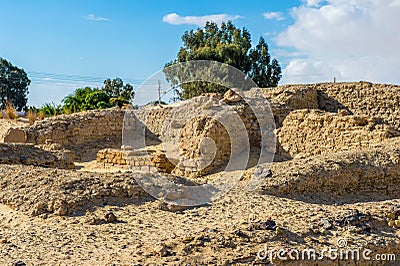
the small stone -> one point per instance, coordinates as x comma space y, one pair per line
161, 250
187, 239
60, 207
110, 217
278, 231
19, 263
391, 223
326, 224
391, 215
231, 97
397, 223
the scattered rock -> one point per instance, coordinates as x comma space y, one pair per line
326, 224
160, 250
354, 221
19, 263
262, 173
397, 223
266, 225
60, 207
110, 217
231, 97
172, 208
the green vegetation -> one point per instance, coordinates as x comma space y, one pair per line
86, 99
230, 45
14, 84
119, 92
113, 93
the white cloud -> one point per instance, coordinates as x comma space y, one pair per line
96, 18
312, 2
395, 3
309, 71
274, 15
176, 19
353, 39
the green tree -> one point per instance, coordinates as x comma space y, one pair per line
119, 92
87, 99
264, 72
226, 44
14, 84
114, 92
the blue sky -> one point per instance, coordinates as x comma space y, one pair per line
84, 42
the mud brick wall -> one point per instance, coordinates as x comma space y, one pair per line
79, 128
285, 99
313, 132
363, 98
360, 98
136, 160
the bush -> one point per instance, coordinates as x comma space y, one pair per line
40, 115
10, 112
31, 116
50, 110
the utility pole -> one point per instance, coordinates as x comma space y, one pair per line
159, 93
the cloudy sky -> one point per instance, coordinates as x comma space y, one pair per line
68, 44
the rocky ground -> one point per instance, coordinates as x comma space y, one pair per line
105, 225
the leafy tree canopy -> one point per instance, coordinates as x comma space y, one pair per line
114, 92
226, 44
14, 84
87, 99
119, 92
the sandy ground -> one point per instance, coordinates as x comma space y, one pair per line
229, 231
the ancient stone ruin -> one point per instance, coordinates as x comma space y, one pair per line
314, 119
335, 175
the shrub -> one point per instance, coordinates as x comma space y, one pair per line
50, 109
31, 116
40, 115
10, 112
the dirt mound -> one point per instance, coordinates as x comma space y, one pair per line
33, 155
36, 190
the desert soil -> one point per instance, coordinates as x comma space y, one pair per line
146, 232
